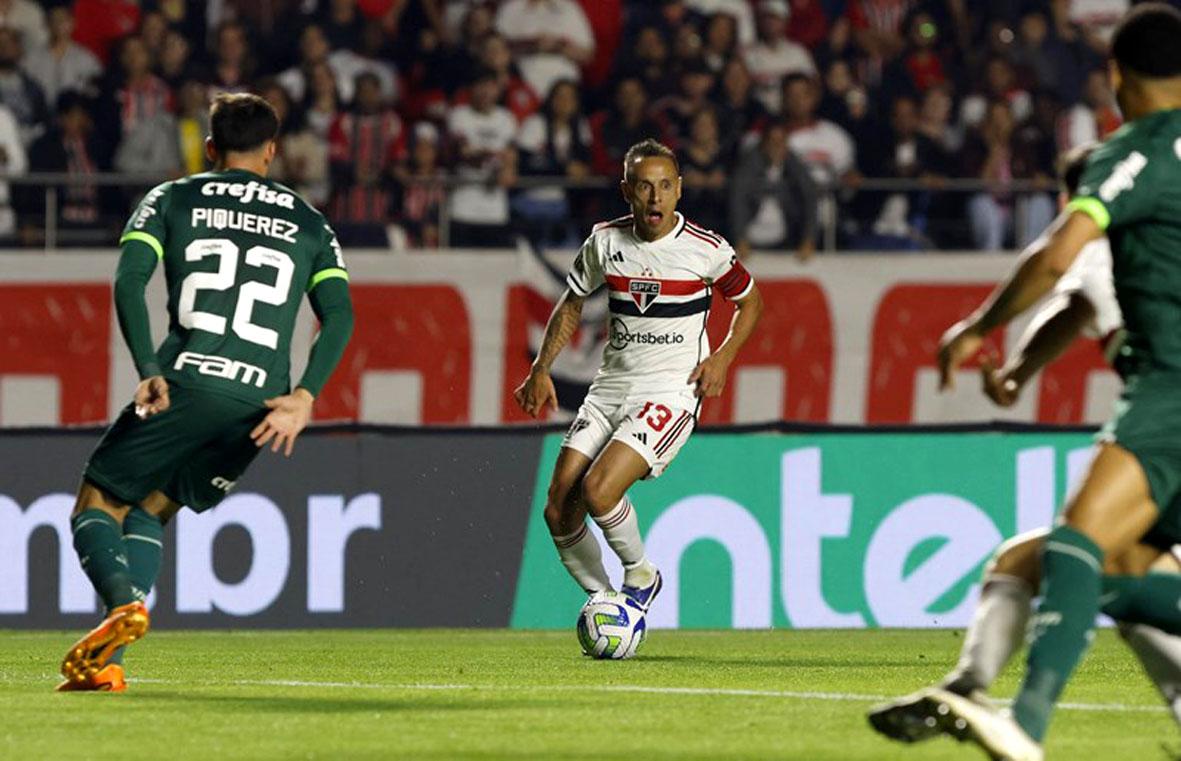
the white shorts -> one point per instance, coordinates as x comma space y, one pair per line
656, 426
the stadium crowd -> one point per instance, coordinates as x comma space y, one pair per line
780, 111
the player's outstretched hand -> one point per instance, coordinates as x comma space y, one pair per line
151, 396
288, 416
957, 346
537, 393
710, 376
998, 386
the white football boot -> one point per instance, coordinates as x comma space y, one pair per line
996, 733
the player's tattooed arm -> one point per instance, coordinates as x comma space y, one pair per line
537, 391
1035, 274
710, 375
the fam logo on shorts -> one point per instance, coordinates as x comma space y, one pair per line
644, 292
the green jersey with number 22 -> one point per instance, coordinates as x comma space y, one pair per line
239, 253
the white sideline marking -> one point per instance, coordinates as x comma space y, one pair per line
849, 697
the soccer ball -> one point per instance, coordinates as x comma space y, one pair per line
611, 626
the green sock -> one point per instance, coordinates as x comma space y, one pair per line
1061, 629
143, 541
98, 540
1153, 599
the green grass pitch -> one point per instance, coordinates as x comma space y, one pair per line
530, 695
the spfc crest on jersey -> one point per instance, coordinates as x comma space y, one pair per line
644, 292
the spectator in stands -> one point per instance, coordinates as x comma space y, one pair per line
554, 142
935, 119
774, 56
623, 125
321, 103
674, 112
552, 40
899, 220
192, 125
152, 29
1095, 117
301, 160
151, 147
721, 41
174, 66
518, 97
482, 132
18, 91
313, 50
234, 65
687, 47
1047, 61
28, 19
740, 113
420, 194
824, 147
347, 63
13, 161
923, 64
772, 199
133, 94
877, 27
71, 147
100, 24
808, 24
842, 94
343, 24
648, 59
62, 64
738, 10
995, 215
704, 168
364, 144
999, 82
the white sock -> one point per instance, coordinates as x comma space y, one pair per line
622, 532
582, 557
995, 635
1160, 654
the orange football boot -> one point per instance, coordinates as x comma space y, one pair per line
89, 655
108, 679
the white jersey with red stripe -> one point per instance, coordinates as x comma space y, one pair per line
1090, 275
660, 294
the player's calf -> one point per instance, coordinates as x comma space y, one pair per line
565, 516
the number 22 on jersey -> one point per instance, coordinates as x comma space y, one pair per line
223, 279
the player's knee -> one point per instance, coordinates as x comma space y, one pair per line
559, 506
1020, 560
598, 494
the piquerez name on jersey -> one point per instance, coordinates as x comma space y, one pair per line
660, 293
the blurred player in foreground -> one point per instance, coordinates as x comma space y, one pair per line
660, 271
239, 252
1127, 503
1083, 302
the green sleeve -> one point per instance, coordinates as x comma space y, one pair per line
136, 265
333, 307
1116, 189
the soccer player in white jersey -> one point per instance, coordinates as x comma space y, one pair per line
1083, 303
660, 271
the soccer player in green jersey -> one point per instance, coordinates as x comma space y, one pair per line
1130, 191
239, 251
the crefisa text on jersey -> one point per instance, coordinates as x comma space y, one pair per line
247, 192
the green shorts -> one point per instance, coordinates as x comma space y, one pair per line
193, 452
1147, 423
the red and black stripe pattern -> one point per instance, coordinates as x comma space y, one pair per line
705, 236
735, 283
566, 542
621, 514
670, 437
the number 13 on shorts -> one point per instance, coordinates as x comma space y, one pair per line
657, 431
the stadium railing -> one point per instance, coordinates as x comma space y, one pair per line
833, 201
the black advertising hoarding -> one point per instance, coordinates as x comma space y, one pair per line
361, 527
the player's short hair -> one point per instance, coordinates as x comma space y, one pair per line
241, 123
1071, 165
1148, 41
650, 148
